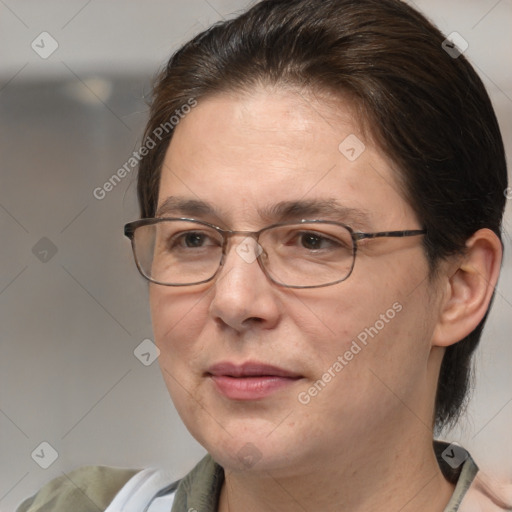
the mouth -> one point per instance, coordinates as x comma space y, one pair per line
250, 380
250, 369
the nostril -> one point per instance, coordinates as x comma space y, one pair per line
254, 319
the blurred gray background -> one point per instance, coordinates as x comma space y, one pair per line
73, 308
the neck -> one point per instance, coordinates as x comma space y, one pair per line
401, 475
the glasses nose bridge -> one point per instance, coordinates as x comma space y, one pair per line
227, 234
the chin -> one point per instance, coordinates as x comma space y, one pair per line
256, 453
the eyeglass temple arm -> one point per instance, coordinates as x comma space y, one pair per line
381, 234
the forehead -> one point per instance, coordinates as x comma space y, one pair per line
243, 154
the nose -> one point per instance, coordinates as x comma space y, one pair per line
243, 296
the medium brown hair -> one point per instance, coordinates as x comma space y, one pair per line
428, 111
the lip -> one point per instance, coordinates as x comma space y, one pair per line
250, 380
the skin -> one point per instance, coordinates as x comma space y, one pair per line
365, 441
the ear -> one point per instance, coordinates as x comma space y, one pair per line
468, 288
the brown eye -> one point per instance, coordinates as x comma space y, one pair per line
315, 241
311, 241
193, 239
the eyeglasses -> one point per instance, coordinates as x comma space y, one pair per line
305, 254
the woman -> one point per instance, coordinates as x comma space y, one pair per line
321, 202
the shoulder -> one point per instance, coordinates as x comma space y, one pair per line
86, 489
488, 494
475, 490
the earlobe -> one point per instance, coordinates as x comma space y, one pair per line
469, 288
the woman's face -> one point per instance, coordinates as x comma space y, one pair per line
267, 377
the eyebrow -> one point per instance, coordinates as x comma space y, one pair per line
328, 209
189, 207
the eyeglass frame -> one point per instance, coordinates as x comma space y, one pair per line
226, 234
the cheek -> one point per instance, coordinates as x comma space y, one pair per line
326, 325
175, 315
178, 319
367, 360
380, 324
330, 318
